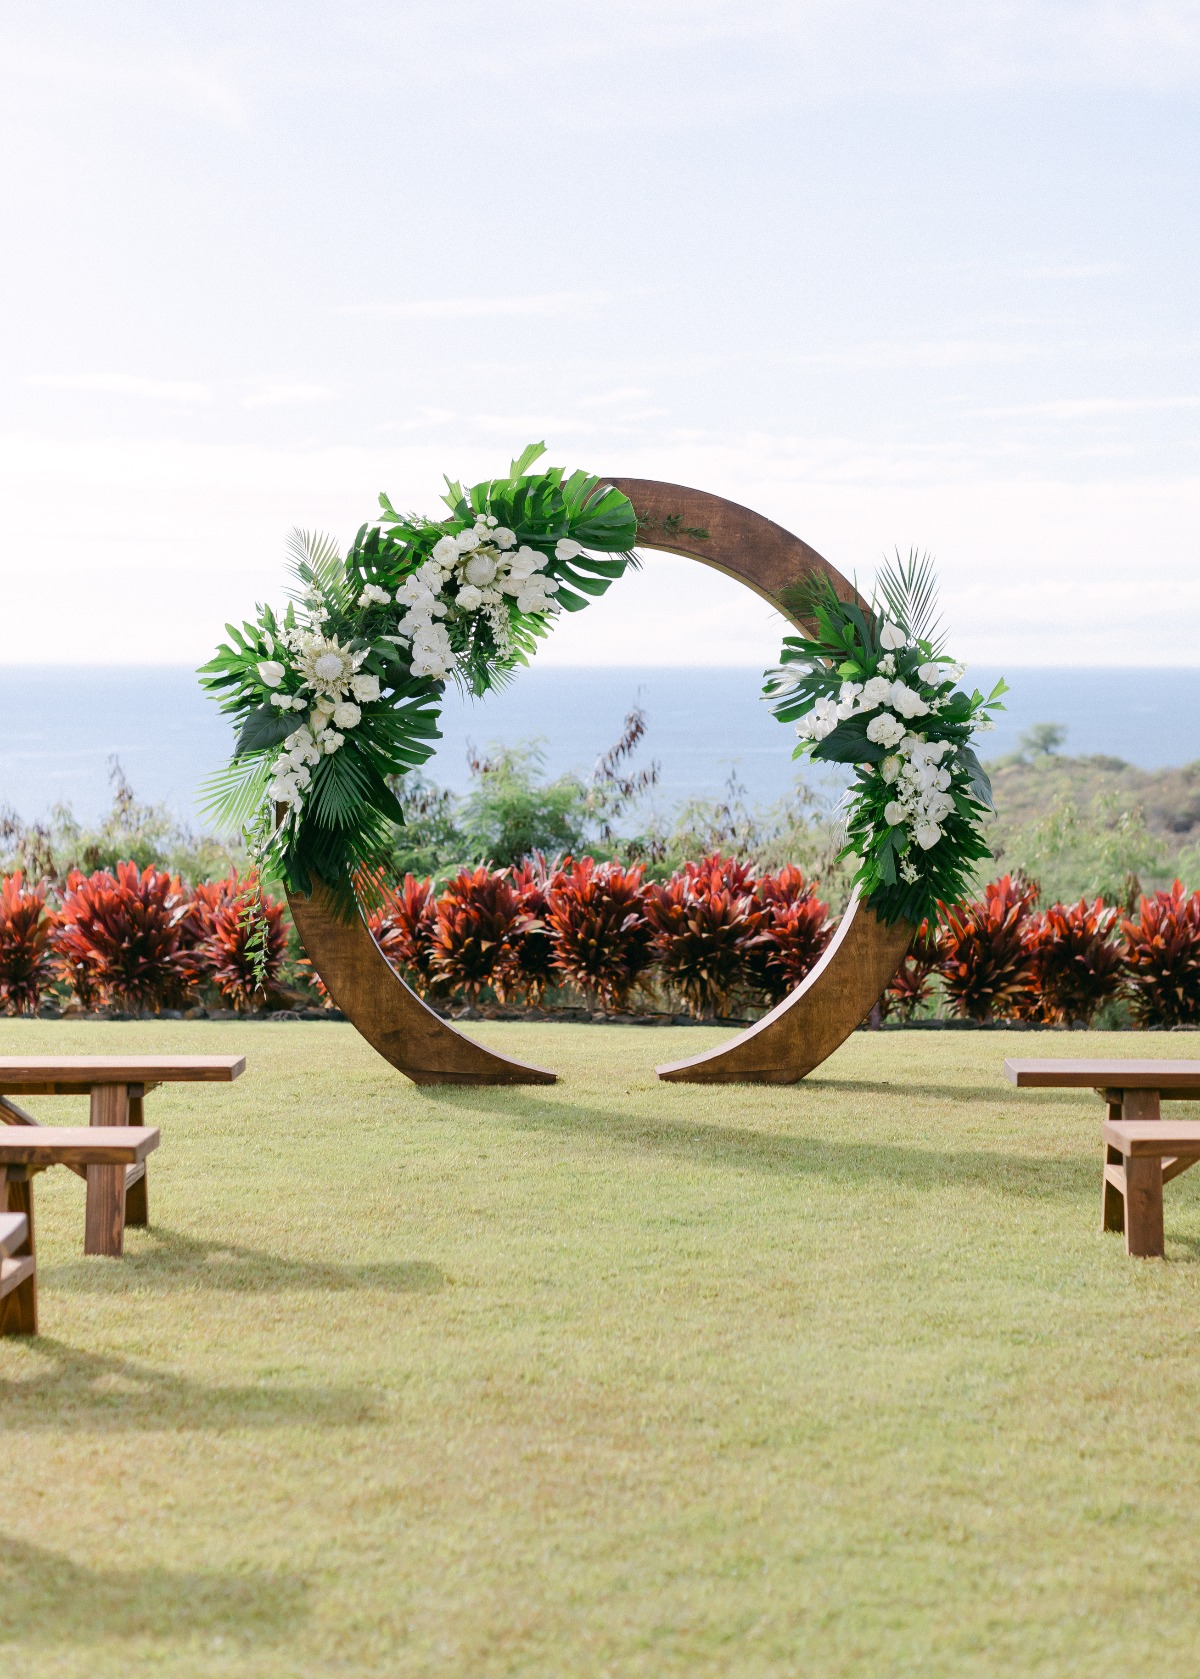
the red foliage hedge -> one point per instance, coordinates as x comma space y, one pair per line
126, 939
1075, 960
480, 920
1162, 959
598, 917
985, 964
793, 930
27, 965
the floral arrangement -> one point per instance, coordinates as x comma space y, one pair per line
340, 692
871, 686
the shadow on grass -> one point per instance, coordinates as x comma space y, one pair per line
163, 1258
1046, 1177
75, 1389
47, 1599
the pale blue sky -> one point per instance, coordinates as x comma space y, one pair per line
891, 273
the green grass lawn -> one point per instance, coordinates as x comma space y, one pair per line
610, 1378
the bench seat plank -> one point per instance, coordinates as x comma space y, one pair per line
81, 1145
46, 1074
1179, 1080
14, 1228
1142, 1138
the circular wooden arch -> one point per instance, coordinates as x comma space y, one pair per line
786, 1044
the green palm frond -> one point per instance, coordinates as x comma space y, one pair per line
909, 589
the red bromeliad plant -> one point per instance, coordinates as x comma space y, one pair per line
1076, 959
914, 980
597, 915
1162, 959
127, 940
706, 918
405, 929
27, 966
480, 922
793, 931
985, 966
533, 879
241, 939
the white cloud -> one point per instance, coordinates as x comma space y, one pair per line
478, 308
286, 396
124, 384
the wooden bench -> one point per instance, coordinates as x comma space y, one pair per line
31, 1150
18, 1276
116, 1086
1158, 1150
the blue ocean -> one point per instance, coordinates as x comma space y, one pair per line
63, 726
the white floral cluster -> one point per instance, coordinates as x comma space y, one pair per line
331, 690
914, 768
473, 571
921, 788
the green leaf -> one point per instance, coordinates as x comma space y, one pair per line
265, 727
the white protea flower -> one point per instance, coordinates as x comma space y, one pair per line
326, 665
481, 568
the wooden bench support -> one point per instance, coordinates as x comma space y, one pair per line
18, 1266
1139, 1157
137, 1199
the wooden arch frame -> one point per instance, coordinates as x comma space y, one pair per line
786, 1044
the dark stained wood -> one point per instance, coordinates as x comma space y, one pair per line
137, 1196
1144, 1207
46, 1074
1151, 1152
1178, 1080
60, 1145
387, 1012
104, 1218
802, 1031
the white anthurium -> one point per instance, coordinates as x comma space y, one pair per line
890, 769
271, 673
894, 814
927, 834
566, 548
892, 637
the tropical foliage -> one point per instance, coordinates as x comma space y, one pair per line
340, 692
870, 686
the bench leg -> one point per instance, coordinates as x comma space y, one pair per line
137, 1202
1112, 1202
19, 1310
1144, 1206
104, 1221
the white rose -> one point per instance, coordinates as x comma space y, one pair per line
890, 769
876, 691
885, 730
366, 688
466, 540
346, 715
893, 814
445, 552
927, 834
271, 673
469, 598
566, 548
907, 701
891, 637
503, 537
480, 569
